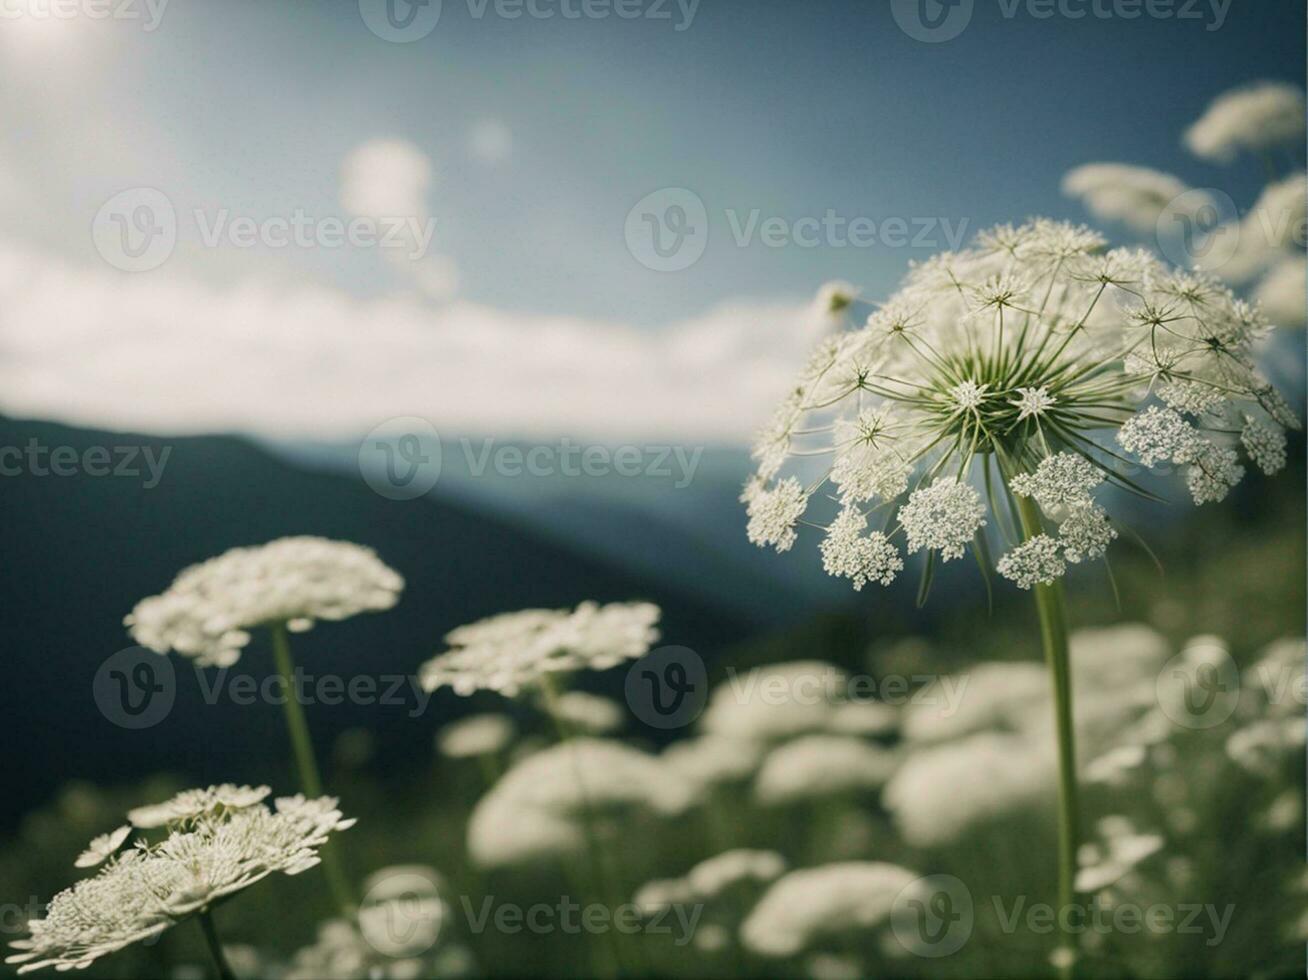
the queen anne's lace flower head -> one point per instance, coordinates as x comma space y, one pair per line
515, 651
207, 856
1025, 365
210, 608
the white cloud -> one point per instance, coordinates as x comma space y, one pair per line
386, 179
166, 353
490, 141
1135, 196
1254, 117
1283, 292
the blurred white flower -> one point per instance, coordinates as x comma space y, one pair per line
587, 714
711, 879
1281, 292
540, 807
941, 792
511, 652
805, 908
710, 761
1135, 196
476, 735
1117, 852
1254, 117
206, 857
1025, 354
816, 766
775, 702
209, 609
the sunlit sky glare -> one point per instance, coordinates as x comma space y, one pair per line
539, 136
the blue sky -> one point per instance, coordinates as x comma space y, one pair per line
787, 109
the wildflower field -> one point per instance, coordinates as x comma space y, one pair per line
385, 606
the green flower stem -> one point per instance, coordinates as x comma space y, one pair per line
595, 853
215, 947
305, 763
1051, 606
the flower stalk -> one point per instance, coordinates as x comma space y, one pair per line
306, 764
211, 940
1052, 609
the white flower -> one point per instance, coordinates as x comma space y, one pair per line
944, 515
209, 609
1255, 117
1265, 444
940, 793
514, 651
775, 702
817, 766
968, 395
710, 761
102, 847
1033, 402
711, 879
1160, 434
540, 808
774, 512
191, 805
1213, 473
476, 735
804, 908
1119, 851
154, 886
869, 464
1061, 479
1036, 561
987, 696
862, 558
588, 713
1086, 533
1026, 354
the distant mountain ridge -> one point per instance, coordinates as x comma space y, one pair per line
82, 549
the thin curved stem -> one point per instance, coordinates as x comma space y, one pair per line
205, 919
600, 879
1052, 609
306, 764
